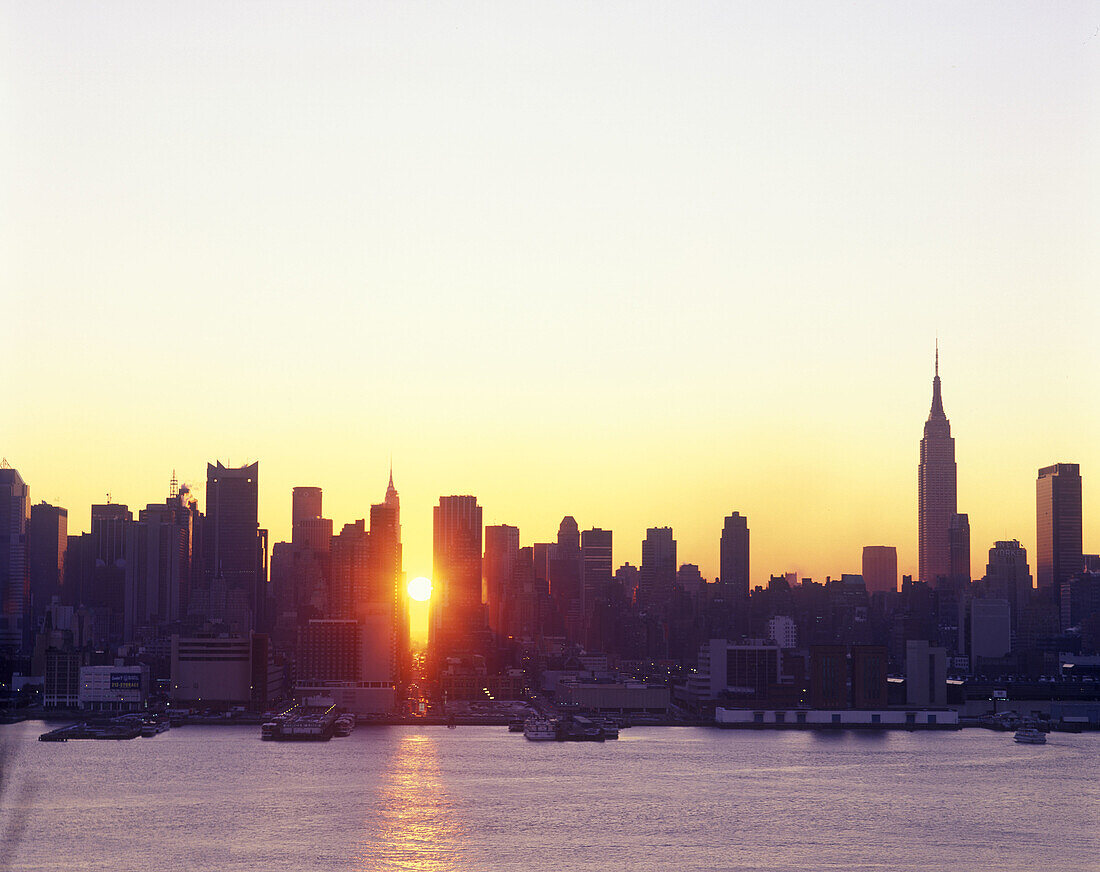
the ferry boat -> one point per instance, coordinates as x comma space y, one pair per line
1030, 736
540, 730
301, 724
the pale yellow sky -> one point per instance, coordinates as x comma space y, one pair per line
640, 263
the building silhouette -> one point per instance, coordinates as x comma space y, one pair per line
457, 620
958, 537
47, 538
499, 567
1058, 525
15, 502
597, 566
880, 568
1007, 577
236, 547
658, 570
936, 490
733, 570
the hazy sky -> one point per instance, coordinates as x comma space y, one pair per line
641, 263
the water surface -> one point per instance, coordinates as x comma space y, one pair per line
482, 799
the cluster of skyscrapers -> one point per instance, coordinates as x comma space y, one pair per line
327, 613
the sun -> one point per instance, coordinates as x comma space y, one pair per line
420, 589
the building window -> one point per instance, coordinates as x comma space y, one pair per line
836, 719
800, 717
876, 719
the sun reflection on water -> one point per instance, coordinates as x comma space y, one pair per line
416, 826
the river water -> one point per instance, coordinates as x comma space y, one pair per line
482, 799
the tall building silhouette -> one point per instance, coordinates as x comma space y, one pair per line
1007, 577
15, 503
958, 535
1058, 525
457, 615
236, 547
658, 571
936, 490
501, 554
386, 574
47, 538
733, 559
596, 567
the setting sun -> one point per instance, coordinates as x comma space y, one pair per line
420, 589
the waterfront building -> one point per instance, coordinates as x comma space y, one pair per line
746, 673
1058, 539
925, 674
219, 671
457, 619
613, 697
880, 568
113, 688
936, 490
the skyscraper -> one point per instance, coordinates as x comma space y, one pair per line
958, 536
596, 567
501, 553
658, 571
386, 576
733, 560
936, 490
15, 501
1007, 576
236, 548
305, 505
1058, 525
47, 537
457, 615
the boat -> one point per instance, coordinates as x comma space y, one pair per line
581, 729
301, 724
515, 726
1030, 736
540, 730
344, 725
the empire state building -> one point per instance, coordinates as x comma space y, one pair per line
935, 489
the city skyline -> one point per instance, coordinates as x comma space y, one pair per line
627, 548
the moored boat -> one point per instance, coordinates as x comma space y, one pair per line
1030, 736
540, 730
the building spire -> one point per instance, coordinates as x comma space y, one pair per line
937, 400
